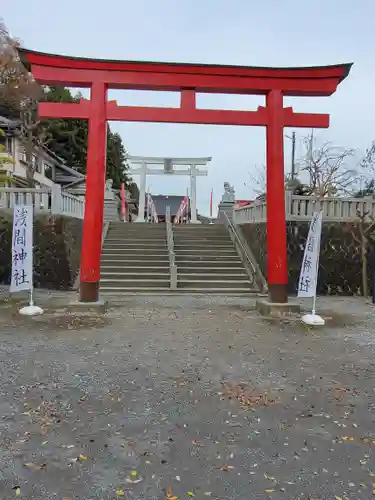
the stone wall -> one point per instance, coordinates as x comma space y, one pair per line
57, 249
340, 257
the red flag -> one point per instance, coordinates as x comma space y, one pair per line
211, 203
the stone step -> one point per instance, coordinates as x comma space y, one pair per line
126, 249
135, 284
213, 241
222, 252
125, 274
134, 244
225, 283
141, 230
134, 269
205, 277
126, 237
123, 290
183, 269
120, 291
207, 258
141, 236
135, 258
202, 245
209, 264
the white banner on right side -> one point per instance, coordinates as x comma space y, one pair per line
309, 270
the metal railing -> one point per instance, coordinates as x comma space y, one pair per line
170, 242
248, 258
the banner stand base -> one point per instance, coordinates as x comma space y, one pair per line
31, 310
313, 320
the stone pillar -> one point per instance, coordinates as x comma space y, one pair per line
142, 194
193, 195
227, 203
111, 212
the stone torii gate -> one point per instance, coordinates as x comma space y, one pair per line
144, 163
188, 79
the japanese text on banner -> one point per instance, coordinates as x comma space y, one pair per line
22, 248
309, 269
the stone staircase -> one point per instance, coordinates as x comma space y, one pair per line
135, 259
207, 261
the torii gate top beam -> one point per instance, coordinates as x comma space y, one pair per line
160, 160
81, 72
188, 79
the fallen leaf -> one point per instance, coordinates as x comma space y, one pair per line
83, 457
120, 492
190, 494
338, 498
30, 465
133, 474
170, 495
269, 491
226, 468
133, 481
17, 491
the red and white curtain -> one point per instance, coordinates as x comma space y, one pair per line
182, 211
151, 210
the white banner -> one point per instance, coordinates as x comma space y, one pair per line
310, 263
22, 249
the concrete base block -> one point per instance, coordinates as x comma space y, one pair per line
274, 310
85, 307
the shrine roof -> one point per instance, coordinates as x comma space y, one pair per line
202, 77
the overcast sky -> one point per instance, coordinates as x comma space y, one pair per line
244, 32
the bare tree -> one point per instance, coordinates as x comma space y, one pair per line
328, 168
19, 97
258, 180
368, 160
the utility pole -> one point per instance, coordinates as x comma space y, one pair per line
311, 155
293, 155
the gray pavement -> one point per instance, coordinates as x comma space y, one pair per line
185, 397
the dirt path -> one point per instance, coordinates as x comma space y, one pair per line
195, 397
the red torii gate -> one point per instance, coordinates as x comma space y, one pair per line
188, 79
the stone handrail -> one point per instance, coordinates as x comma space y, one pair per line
302, 207
54, 201
247, 257
170, 242
41, 199
73, 206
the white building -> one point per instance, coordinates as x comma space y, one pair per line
49, 168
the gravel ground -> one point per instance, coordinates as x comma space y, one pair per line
166, 397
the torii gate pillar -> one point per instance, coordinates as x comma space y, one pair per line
94, 198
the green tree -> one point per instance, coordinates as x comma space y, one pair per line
68, 140
117, 168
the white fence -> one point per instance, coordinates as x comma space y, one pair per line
52, 201
302, 208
